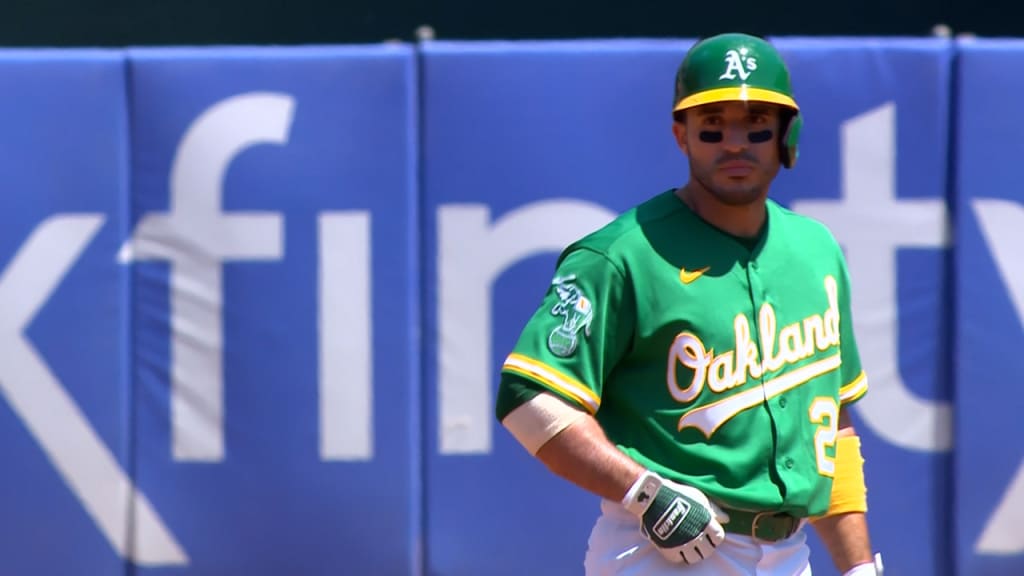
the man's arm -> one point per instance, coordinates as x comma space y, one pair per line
583, 455
572, 444
846, 534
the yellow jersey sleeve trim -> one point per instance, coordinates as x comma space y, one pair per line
854, 390
553, 379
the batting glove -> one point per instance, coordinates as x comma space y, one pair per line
872, 569
679, 520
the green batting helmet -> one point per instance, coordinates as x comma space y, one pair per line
731, 67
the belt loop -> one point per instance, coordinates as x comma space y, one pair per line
753, 527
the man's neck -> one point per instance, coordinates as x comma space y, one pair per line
744, 221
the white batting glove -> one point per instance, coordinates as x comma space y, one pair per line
873, 569
679, 520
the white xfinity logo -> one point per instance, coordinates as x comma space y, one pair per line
473, 251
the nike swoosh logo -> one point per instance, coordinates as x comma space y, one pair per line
687, 276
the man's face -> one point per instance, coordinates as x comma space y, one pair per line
733, 148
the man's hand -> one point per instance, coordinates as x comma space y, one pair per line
679, 520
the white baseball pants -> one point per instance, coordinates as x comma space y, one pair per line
617, 548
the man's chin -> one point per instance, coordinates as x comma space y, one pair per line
737, 195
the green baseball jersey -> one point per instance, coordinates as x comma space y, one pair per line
713, 363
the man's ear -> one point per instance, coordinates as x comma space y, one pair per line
679, 131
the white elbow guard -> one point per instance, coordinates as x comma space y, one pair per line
540, 419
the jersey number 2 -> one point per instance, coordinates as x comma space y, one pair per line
825, 411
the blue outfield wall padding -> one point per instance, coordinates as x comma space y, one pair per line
528, 145
255, 300
276, 293
64, 430
989, 283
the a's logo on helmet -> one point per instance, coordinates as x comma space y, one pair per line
738, 64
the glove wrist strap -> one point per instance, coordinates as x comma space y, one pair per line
641, 494
867, 569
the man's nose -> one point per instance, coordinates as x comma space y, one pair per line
735, 137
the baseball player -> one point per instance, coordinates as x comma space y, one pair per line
692, 362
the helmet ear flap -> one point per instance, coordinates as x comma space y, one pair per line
788, 151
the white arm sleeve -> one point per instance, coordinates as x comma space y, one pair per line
540, 419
